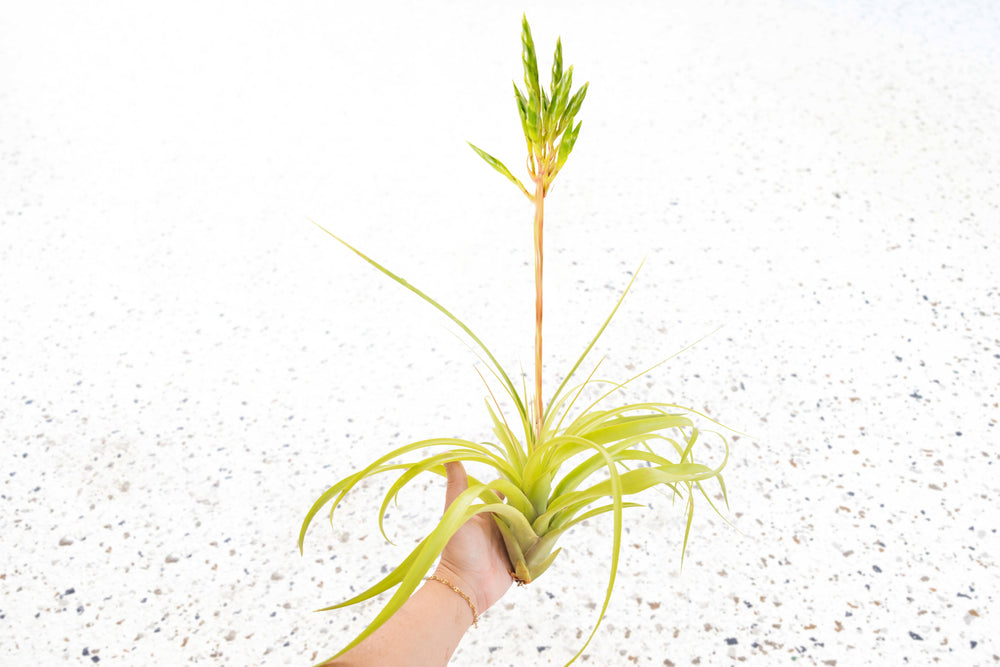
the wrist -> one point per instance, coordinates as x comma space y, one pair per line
475, 601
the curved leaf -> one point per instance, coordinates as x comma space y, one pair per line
341, 488
402, 281
596, 336
499, 166
423, 557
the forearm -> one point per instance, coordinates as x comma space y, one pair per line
424, 632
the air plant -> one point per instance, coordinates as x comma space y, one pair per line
556, 465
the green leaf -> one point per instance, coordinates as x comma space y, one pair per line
561, 98
532, 124
595, 512
557, 68
516, 521
514, 552
538, 568
423, 557
390, 580
625, 427
687, 528
522, 112
620, 451
515, 453
567, 520
402, 281
616, 544
538, 491
499, 166
566, 145
530, 66
558, 406
572, 108
630, 483
341, 488
432, 464
593, 340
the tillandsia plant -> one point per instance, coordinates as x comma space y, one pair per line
556, 465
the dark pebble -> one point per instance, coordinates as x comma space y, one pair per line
731, 641
914, 635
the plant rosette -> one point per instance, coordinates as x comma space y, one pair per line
556, 464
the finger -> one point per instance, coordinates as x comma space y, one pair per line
458, 482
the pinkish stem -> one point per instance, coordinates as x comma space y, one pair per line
539, 206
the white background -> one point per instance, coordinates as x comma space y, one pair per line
186, 362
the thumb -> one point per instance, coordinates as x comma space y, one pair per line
458, 482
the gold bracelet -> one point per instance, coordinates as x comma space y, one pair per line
472, 605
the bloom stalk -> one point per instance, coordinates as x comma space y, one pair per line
539, 200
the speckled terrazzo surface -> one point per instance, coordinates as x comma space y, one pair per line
186, 363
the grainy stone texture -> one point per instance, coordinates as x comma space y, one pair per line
186, 362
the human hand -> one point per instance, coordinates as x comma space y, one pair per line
475, 558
